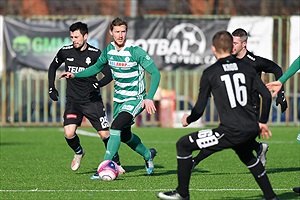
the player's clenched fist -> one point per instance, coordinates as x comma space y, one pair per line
66, 75
184, 120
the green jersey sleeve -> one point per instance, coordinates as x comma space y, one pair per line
94, 69
148, 64
295, 66
155, 78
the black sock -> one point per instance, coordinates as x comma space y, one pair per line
116, 157
74, 143
260, 175
256, 147
184, 167
105, 141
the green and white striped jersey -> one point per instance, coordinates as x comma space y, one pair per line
128, 67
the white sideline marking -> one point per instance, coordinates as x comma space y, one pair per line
81, 132
92, 134
86, 133
135, 190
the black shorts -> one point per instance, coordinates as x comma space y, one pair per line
93, 111
211, 141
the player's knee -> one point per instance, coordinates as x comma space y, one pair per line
103, 134
181, 147
69, 135
69, 131
126, 135
121, 121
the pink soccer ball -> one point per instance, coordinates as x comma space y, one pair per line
108, 170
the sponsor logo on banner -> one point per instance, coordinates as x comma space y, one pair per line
184, 44
37, 46
187, 44
35, 43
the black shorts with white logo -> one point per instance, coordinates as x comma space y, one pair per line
93, 111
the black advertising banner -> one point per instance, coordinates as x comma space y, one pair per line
176, 43
34, 43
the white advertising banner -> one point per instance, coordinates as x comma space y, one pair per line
260, 31
1, 45
294, 38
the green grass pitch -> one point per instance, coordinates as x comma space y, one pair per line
35, 164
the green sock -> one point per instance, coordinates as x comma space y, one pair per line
136, 144
113, 144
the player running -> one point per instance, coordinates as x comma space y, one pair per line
83, 94
260, 65
231, 82
128, 64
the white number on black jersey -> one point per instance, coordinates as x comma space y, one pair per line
240, 94
104, 122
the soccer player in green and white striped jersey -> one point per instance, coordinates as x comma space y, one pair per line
128, 64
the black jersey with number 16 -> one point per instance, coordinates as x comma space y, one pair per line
231, 82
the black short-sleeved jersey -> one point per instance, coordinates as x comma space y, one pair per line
231, 82
78, 89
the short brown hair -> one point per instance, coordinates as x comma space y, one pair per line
223, 42
117, 22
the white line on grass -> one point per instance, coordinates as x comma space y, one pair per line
87, 133
91, 134
135, 190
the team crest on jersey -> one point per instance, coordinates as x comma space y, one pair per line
127, 59
147, 57
88, 60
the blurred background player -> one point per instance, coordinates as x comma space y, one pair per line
260, 64
231, 82
83, 94
128, 63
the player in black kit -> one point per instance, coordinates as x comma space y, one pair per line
231, 82
83, 94
260, 65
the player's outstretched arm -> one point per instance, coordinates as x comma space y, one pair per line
274, 87
66, 75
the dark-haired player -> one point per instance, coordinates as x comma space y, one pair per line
128, 63
83, 94
260, 64
231, 82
